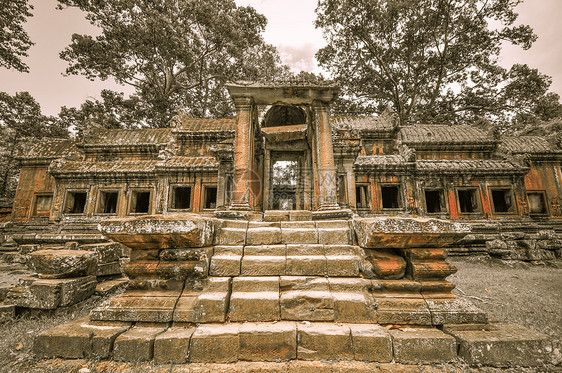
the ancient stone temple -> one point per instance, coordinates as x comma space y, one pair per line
288, 233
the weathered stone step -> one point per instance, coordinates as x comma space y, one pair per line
290, 259
178, 343
284, 232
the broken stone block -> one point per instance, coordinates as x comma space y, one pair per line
51, 293
79, 339
503, 345
172, 346
160, 231
324, 341
138, 306
268, 342
405, 232
386, 264
425, 270
106, 251
214, 343
137, 344
63, 263
371, 343
454, 311
422, 346
108, 269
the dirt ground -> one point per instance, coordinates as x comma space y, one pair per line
530, 295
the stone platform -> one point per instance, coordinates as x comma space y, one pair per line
210, 290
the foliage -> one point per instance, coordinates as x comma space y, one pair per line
432, 60
20, 120
175, 53
14, 40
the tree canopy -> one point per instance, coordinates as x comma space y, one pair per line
175, 53
20, 120
432, 60
14, 40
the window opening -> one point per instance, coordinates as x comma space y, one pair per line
361, 197
181, 198
390, 197
75, 202
140, 203
468, 200
108, 202
433, 201
43, 204
502, 200
210, 197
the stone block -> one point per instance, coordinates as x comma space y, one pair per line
108, 269
387, 264
214, 343
343, 265
172, 346
305, 249
7, 312
106, 251
110, 286
299, 233
263, 265
268, 342
137, 344
231, 236
79, 339
324, 341
254, 299
334, 232
402, 311
300, 215
454, 311
422, 346
63, 263
275, 215
503, 345
306, 265
424, 270
265, 250
75, 290
160, 231
204, 305
307, 305
138, 306
264, 236
226, 261
406, 232
342, 250
354, 307
371, 343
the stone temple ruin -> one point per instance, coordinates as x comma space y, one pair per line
284, 233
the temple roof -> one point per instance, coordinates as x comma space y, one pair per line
527, 144
131, 167
430, 135
128, 137
47, 149
478, 166
183, 123
371, 123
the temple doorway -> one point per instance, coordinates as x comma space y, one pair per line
284, 185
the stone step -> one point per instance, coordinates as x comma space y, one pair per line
331, 232
290, 260
498, 345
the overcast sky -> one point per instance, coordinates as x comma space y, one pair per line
290, 29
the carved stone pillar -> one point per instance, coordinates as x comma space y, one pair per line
243, 154
325, 157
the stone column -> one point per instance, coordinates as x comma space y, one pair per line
325, 156
242, 154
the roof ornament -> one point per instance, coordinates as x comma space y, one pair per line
390, 114
408, 153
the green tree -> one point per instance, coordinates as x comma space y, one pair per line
112, 111
432, 60
14, 40
175, 53
20, 121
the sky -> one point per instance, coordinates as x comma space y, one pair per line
290, 28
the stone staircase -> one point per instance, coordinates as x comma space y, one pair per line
216, 291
